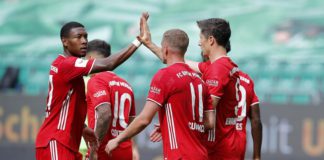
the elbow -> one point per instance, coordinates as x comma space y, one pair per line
110, 66
105, 117
144, 122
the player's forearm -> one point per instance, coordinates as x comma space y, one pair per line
113, 61
133, 129
102, 125
155, 49
256, 126
209, 120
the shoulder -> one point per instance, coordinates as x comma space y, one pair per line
162, 73
95, 79
244, 77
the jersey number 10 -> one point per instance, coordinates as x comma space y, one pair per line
120, 105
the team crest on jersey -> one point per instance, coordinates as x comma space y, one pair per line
81, 63
212, 82
100, 93
155, 90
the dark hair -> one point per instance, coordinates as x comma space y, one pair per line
100, 46
177, 39
65, 30
219, 29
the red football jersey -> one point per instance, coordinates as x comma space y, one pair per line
222, 79
66, 106
107, 87
247, 99
183, 98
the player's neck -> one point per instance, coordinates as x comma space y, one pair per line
216, 54
174, 60
66, 53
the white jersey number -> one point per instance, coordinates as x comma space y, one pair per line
241, 107
200, 101
120, 105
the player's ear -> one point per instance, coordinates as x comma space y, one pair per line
211, 40
64, 42
166, 51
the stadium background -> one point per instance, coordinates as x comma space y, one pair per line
279, 43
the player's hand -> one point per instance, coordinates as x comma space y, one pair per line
145, 35
155, 135
112, 144
90, 138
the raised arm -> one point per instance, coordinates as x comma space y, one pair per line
256, 126
147, 41
113, 61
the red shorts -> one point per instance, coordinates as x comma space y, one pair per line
215, 156
56, 151
125, 153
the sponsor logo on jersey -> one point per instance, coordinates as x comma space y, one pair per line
54, 69
80, 63
155, 90
212, 82
100, 93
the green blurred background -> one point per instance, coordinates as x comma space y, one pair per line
279, 43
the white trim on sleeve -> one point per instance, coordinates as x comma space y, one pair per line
215, 96
92, 66
255, 103
101, 104
149, 99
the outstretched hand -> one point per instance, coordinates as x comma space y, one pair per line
145, 35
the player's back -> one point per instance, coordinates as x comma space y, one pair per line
107, 87
181, 116
247, 99
222, 79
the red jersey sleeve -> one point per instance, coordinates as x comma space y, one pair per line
202, 66
73, 67
97, 92
255, 98
158, 88
207, 99
216, 80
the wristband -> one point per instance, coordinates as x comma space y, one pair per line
136, 42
